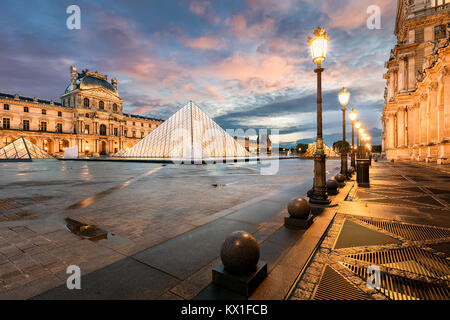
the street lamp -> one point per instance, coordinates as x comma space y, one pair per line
352, 117
344, 97
319, 45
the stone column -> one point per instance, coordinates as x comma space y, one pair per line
433, 112
401, 127
411, 72
446, 101
401, 75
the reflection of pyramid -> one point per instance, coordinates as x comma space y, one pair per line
189, 134
24, 150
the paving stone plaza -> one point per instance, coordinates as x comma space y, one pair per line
140, 206
156, 238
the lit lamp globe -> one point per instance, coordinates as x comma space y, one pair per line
319, 45
358, 124
344, 97
352, 115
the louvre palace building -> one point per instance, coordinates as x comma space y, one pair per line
89, 116
416, 116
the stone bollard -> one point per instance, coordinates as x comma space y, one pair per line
300, 216
340, 178
332, 187
240, 271
351, 170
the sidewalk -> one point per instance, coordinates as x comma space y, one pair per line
400, 226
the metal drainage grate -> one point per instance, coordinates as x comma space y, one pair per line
410, 259
333, 286
408, 231
399, 288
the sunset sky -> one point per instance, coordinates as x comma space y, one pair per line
246, 62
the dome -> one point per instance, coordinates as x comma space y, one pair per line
91, 80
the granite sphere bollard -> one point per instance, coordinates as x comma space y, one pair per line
332, 187
351, 170
340, 178
240, 253
299, 208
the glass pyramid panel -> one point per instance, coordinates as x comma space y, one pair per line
186, 135
23, 149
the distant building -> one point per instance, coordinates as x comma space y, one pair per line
416, 116
89, 116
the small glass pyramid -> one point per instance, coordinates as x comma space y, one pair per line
188, 134
24, 150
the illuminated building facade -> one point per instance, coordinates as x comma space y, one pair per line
416, 116
89, 116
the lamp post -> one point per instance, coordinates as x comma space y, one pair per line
352, 117
319, 45
344, 97
361, 136
357, 126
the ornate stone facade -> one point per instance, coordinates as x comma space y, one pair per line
416, 116
89, 116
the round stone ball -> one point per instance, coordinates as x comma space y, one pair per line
332, 184
240, 253
299, 208
340, 178
351, 170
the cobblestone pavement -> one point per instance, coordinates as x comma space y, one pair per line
400, 225
138, 205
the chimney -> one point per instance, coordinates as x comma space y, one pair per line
73, 77
114, 83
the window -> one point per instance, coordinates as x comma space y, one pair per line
87, 115
440, 32
44, 111
26, 125
86, 102
115, 107
6, 123
102, 130
43, 126
134, 123
125, 132
6, 107
59, 114
86, 129
142, 124
142, 134
59, 127
134, 134
101, 105
116, 132
25, 109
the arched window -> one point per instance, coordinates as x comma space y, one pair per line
102, 130
86, 102
115, 107
101, 105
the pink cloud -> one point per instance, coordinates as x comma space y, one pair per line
203, 8
204, 43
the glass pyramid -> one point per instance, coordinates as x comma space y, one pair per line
189, 134
23, 149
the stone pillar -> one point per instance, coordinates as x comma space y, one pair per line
411, 73
446, 101
401, 75
401, 127
433, 112
391, 131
